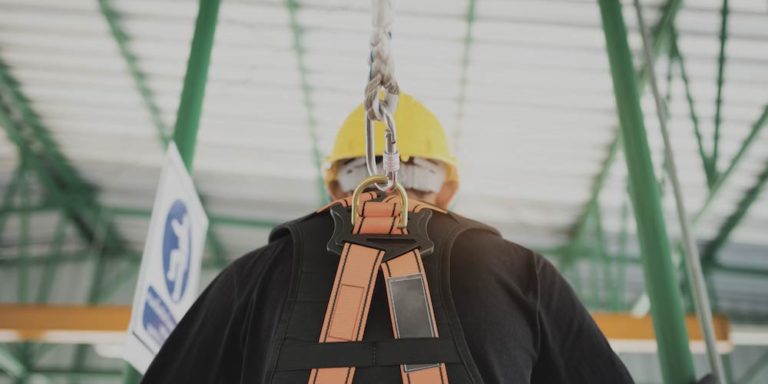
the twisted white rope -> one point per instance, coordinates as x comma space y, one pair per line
381, 82
381, 77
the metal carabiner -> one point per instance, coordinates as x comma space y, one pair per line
391, 156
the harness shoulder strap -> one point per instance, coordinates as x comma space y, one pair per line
379, 244
422, 354
445, 229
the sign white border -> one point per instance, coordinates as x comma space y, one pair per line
175, 184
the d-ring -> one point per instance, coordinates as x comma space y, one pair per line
381, 179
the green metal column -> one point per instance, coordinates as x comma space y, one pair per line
191, 104
666, 304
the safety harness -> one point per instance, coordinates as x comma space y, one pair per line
375, 243
323, 328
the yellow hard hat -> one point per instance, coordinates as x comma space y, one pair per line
419, 134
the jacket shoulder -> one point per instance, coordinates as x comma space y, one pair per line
451, 222
285, 229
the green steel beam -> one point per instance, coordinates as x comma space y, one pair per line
670, 75
597, 186
68, 257
8, 196
676, 55
22, 293
468, 40
132, 258
49, 269
662, 32
192, 96
213, 241
724, 11
622, 257
217, 219
298, 46
710, 251
602, 262
59, 373
11, 364
45, 146
121, 38
129, 272
195, 80
216, 246
745, 271
131, 375
754, 370
97, 281
611, 287
191, 105
38, 208
60, 178
728, 366
757, 126
716, 266
666, 304
78, 216
709, 254
132, 268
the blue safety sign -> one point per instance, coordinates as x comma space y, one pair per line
177, 247
157, 318
170, 267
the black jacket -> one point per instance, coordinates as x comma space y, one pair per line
521, 320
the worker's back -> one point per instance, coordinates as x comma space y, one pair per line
504, 313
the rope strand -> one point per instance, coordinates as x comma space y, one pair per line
381, 78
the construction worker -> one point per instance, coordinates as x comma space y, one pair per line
491, 312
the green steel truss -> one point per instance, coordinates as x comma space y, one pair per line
66, 192
297, 35
665, 42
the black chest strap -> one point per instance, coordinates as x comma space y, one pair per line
365, 354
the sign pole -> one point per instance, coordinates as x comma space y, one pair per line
190, 105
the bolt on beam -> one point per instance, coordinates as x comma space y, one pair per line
724, 11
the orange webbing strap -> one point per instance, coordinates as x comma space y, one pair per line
350, 299
348, 306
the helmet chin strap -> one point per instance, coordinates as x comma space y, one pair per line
418, 174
